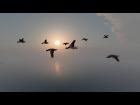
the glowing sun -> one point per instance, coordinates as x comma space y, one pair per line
57, 43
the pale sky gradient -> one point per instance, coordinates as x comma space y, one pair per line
27, 67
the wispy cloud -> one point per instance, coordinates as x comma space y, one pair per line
106, 23
125, 25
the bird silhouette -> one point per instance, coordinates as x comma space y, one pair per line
72, 45
85, 39
45, 42
106, 36
65, 43
51, 51
116, 57
21, 40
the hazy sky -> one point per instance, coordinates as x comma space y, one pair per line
27, 67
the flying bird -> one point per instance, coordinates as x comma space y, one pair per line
21, 40
72, 45
65, 43
45, 42
51, 51
85, 39
106, 36
116, 57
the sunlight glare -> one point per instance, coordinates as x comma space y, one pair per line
57, 43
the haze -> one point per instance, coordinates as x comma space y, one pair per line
28, 67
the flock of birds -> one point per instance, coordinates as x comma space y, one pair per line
71, 46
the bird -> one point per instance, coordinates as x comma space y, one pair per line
21, 40
72, 45
116, 57
106, 36
51, 51
65, 43
85, 39
45, 42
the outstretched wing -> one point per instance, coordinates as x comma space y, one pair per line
67, 43
117, 59
86, 39
45, 42
22, 40
83, 39
48, 50
64, 43
72, 44
109, 56
106, 36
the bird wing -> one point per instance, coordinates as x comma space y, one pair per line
109, 56
20, 40
48, 50
72, 44
86, 39
106, 35
54, 49
65, 43
117, 59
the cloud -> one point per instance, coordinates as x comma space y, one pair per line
125, 25
106, 23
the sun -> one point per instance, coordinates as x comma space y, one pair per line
57, 43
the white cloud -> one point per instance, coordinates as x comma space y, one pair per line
125, 25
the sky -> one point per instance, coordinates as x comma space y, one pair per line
28, 67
